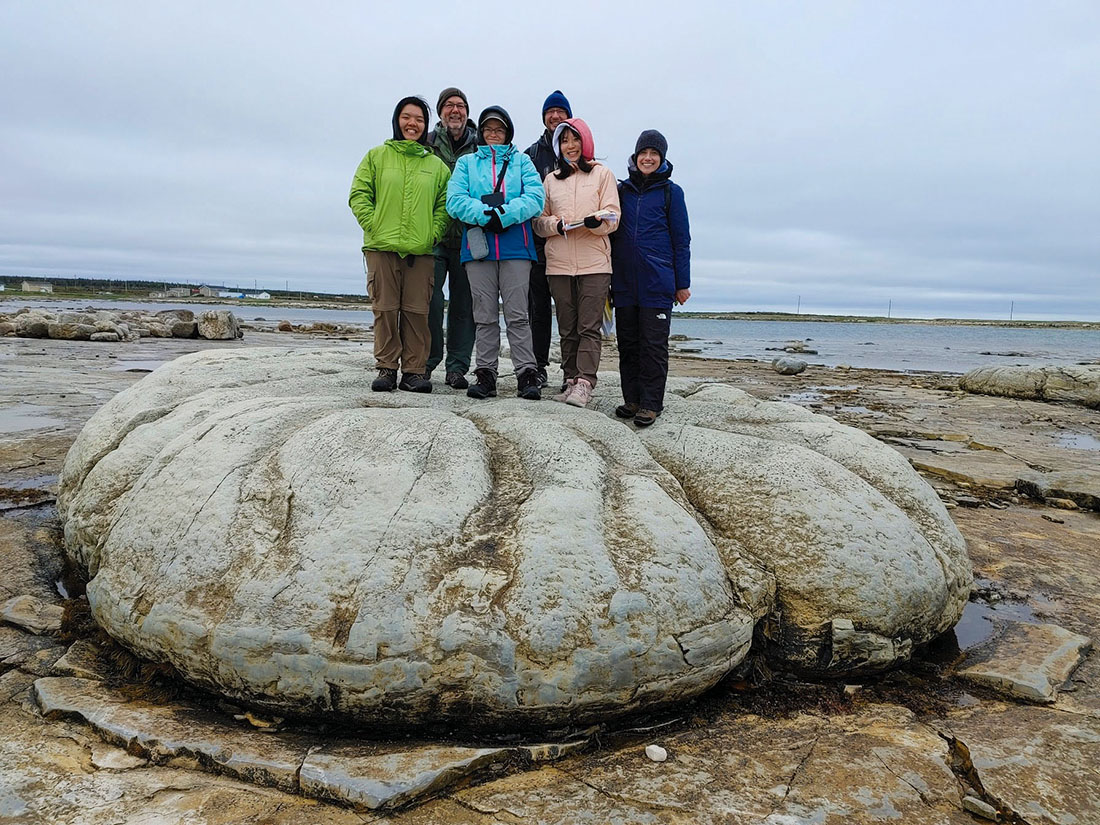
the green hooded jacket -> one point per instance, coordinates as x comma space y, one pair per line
399, 197
440, 143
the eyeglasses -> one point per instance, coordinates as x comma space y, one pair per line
454, 106
494, 130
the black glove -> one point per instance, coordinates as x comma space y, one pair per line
560, 227
592, 221
494, 225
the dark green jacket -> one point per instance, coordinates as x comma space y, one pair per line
399, 197
440, 143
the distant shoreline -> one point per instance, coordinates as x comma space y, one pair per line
872, 319
341, 303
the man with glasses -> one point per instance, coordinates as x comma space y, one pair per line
455, 135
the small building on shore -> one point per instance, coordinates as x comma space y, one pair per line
260, 296
36, 286
210, 291
178, 292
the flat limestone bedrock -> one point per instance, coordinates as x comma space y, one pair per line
1076, 383
262, 521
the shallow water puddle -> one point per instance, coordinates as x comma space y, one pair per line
979, 621
25, 417
1078, 441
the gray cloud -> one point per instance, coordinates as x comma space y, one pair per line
939, 156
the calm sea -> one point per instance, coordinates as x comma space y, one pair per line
906, 347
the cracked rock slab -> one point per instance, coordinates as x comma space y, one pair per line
390, 780
32, 614
364, 774
165, 732
281, 535
1026, 661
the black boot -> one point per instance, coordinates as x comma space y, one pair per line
413, 382
386, 381
486, 386
529, 385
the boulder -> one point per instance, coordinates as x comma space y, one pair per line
280, 534
32, 325
218, 325
7, 328
789, 366
71, 331
171, 315
1079, 384
106, 336
184, 329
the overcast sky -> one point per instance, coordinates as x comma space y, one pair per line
941, 157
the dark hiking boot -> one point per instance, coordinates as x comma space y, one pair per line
413, 382
456, 380
643, 418
528, 385
386, 381
544, 379
627, 410
486, 386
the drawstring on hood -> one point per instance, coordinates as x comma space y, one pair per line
401, 104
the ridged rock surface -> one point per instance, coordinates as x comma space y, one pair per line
1079, 384
262, 521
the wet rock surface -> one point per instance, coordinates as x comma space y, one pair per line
743, 754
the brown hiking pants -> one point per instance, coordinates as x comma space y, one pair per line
400, 294
579, 301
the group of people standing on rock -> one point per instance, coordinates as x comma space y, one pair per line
510, 230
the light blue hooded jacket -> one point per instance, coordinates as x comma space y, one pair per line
476, 175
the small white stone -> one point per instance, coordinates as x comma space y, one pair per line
656, 753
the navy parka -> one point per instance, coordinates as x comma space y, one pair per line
651, 251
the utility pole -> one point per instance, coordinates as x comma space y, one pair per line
1011, 309
889, 307
798, 306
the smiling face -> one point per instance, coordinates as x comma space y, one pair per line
454, 113
410, 122
494, 131
553, 116
648, 161
570, 146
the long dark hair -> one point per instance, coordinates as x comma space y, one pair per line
565, 168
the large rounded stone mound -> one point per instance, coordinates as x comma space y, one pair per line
263, 522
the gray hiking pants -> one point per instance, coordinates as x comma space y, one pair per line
509, 281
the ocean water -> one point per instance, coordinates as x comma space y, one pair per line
902, 347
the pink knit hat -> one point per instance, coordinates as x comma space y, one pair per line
588, 146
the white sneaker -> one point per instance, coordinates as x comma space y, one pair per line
581, 395
566, 390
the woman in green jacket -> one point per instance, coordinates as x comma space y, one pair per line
399, 197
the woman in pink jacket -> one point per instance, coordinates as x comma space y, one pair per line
582, 209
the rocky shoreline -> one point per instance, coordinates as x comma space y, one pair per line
995, 719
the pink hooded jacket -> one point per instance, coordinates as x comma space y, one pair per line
580, 251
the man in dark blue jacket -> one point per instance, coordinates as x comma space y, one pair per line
555, 109
651, 271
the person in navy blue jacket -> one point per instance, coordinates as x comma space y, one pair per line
651, 270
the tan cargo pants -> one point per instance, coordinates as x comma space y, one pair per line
400, 294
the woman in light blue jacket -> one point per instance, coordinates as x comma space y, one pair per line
495, 192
